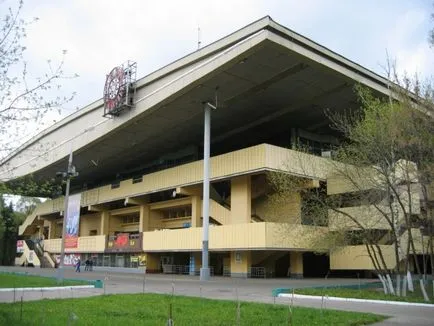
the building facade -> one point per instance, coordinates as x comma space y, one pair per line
141, 167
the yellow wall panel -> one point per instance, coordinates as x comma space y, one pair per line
232, 237
357, 257
90, 222
85, 244
367, 215
293, 236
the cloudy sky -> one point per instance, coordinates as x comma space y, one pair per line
101, 34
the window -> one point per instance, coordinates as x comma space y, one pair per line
131, 219
93, 232
178, 212
116, 184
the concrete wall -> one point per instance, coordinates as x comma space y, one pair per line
240, 261
90, 222
357, 258
287, 210
368, 216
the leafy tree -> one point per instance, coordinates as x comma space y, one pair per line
388, 152
8, 233
26, 205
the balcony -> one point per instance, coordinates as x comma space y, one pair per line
368, 216
357, 258
263, 235
85, 244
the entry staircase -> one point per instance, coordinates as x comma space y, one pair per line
28, 257
34, 255
264, 263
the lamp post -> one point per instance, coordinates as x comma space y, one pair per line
205, 271
68, 175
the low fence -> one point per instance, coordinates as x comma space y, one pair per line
257, 272
182, 269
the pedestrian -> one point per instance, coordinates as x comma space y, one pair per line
91, 265
77, 266
86, 265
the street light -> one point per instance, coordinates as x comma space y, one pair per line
68, 175
205, 271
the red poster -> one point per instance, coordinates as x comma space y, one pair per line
122, 240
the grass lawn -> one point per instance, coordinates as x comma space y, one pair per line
372, 294
153, 309
28, 281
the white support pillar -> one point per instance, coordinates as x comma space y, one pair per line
205, 271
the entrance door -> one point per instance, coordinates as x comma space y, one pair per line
120, 261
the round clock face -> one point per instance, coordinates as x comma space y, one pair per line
114, 89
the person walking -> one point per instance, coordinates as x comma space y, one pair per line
77, 266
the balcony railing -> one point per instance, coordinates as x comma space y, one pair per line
236, 236
182, 269
85, 244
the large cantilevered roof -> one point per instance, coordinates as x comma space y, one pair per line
268, 78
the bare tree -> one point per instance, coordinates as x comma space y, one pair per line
24, 99
431, 33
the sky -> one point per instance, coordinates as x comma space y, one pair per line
101, 34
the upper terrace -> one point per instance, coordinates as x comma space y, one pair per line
248, 161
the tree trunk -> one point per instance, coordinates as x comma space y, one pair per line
398, 285
410, 281
404, 287
390, 284
431, 258
422, 288
385, 288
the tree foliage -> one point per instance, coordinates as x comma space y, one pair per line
386, 157
9, 222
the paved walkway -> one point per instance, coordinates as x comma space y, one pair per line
258, 290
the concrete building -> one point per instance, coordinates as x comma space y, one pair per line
141, 170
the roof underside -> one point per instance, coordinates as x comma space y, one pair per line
262, 94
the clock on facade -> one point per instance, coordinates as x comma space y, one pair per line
120, 88
114, 90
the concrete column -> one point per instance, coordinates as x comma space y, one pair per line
196, 211
241, 199
144, 218
241, 261
41, 230
51, 230
296, 264
105, 217
152, 262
